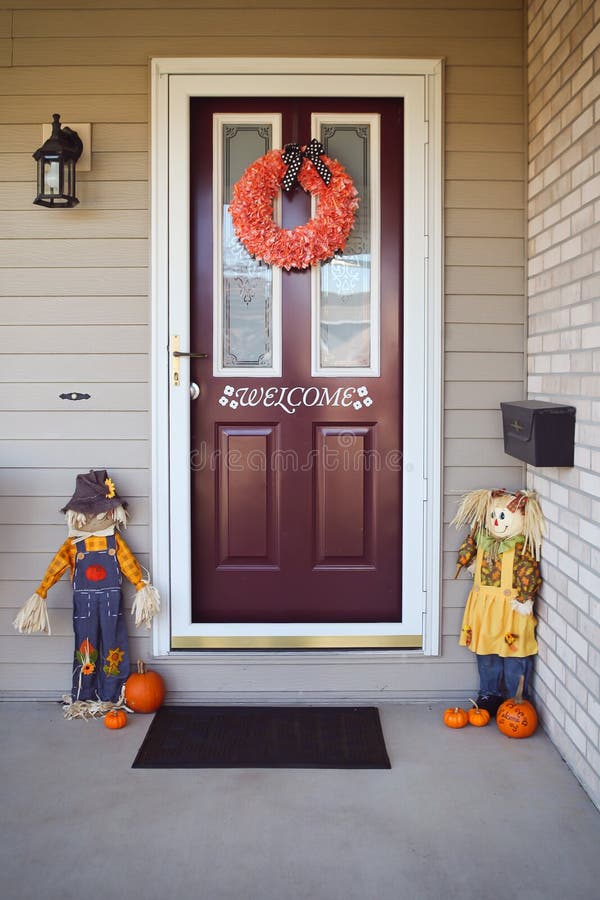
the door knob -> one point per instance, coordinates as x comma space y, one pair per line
194, 390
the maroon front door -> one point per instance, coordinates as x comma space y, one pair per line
296, 478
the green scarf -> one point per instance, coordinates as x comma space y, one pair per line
492, 547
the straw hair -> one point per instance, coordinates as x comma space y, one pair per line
78, 520
534, 526
472, 510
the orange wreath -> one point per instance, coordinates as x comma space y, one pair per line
318, 239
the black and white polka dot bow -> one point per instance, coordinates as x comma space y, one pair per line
292, 157
314, 151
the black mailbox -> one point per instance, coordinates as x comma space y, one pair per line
539, 433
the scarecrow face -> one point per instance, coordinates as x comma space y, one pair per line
98, 522
501, 522
94, 523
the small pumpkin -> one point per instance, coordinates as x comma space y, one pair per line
455, 717
517, 718
115, 718
478, 716
144, 690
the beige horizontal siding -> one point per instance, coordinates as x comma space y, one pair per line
443, 5
56, 282
65, 368
46, 396
484, 309
74, 310
359, 22
43, 510
109, 80
92, 195
137, 50
44, 482
99, 107
113, 167
484, 195
74, 304
81, 223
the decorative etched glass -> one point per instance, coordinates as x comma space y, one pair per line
246, 321
347, 305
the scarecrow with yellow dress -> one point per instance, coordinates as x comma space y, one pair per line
97, 557
502, 550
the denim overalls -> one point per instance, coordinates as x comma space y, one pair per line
101, 662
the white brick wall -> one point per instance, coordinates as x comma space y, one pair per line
564, 363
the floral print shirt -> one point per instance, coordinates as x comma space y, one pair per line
526, 570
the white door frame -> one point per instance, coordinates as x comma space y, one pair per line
419, 82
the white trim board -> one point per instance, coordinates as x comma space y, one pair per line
419, 82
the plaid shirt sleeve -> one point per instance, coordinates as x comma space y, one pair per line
130, 567
64, 559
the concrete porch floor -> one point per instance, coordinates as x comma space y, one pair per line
462, 814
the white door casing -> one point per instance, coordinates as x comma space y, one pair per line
419, 83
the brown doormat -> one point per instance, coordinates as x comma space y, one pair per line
196, 737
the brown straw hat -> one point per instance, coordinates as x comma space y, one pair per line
94, 493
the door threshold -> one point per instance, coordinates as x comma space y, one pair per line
297, 642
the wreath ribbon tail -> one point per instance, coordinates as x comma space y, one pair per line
314, 151
292, 157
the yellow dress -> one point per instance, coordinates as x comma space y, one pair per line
490, 623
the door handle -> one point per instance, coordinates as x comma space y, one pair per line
177, 354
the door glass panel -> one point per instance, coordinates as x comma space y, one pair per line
347, 287
247, 339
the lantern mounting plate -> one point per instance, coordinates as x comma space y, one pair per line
84, 163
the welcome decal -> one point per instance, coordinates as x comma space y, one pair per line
289, 399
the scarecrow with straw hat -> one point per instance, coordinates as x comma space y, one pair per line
502, 550
97, 557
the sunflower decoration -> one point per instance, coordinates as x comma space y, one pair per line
114, 658
112, 491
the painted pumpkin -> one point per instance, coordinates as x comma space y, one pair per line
144, 690
478, 716
115, 718
455, 717
517, 718
95, 573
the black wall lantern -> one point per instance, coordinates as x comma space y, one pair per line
56, 160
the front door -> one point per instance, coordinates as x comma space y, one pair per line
296, 434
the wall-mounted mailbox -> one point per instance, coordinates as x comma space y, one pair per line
539, 433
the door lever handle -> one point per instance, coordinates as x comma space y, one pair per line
177, 354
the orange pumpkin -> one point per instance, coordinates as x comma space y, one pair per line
517, 718
478, 716
144, 690
115, 718
455, 717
